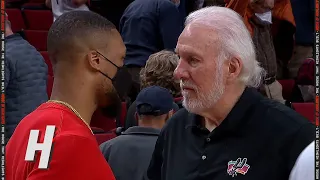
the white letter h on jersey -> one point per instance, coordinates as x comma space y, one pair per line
44, 147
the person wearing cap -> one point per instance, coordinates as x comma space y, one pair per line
129, 154
157, 72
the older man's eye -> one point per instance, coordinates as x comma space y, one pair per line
193, 61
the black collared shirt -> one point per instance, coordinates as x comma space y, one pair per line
129, 154
259, 140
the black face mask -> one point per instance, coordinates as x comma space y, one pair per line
121, 82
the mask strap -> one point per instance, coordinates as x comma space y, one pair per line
108, 60
105, 75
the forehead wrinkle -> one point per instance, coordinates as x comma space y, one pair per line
186, 48
199, 38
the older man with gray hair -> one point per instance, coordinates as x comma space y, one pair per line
227, 130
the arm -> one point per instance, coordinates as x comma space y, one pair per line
240, 6
74, 157
170, 23
243, 9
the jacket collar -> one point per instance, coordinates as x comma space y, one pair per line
137, 130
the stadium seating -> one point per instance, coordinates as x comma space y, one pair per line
37, 1
305, 109
96, 130
38, 19
48, 62
100, 121
104, 137
33, 6
9, 1
16, 19
123, 114
37, 38
287, 87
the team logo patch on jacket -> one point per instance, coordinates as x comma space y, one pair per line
239, 166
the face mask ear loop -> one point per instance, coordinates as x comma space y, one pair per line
105, 75
108, 60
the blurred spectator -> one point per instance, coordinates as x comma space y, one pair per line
112, 10
227, 129
157, 72
15, 3
148, 27
129, 154
304, 11
25, 79
214, 2
304, 90
259, 16
283, 29
182, 7
62, 6
188, 6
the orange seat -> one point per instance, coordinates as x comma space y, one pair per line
305, 109
38, 39
16, 19
38, 19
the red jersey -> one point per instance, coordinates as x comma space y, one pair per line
75, 153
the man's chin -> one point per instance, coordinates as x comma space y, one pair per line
191, 105
189, 94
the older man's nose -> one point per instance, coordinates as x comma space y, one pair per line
180, 71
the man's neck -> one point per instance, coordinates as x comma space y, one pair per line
215, 115
151, 124
76, 95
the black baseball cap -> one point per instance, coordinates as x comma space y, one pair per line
154, 100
